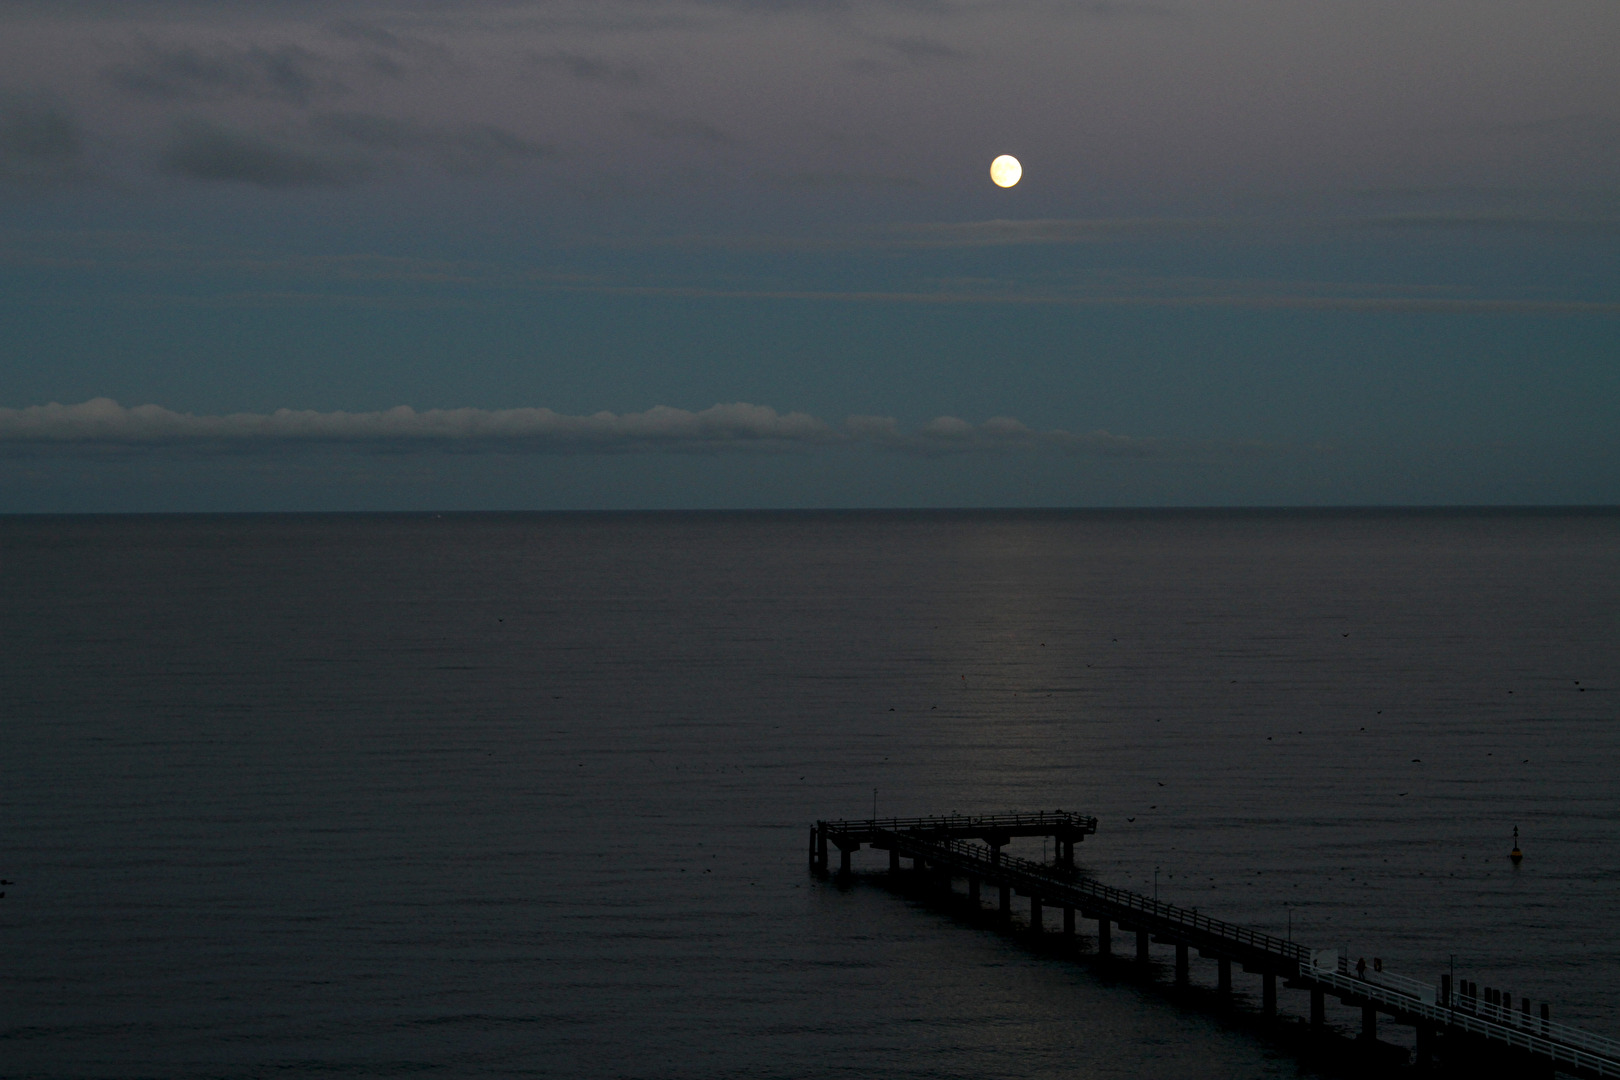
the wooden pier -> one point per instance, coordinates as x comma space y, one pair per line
1453, 1024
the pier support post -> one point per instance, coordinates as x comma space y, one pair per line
894, 860
1035, 926
843, 862
1181, 964
973, 890
1223, 976
1268, 994
1318, 1008
1104, 932
1068, 920
821, 849
1369, 1023
1006, 902
1141, 946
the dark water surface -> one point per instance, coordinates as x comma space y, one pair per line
528, 795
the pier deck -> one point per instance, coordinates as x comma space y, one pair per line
1457, 1022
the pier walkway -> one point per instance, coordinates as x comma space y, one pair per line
1455, 1023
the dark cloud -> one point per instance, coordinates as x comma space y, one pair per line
188, 73
40, 142
465, 148
336, 149
386, 52
381, 37
204, 151
593, 69
677, 127
369, 130
921, 50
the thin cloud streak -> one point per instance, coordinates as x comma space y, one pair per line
1001, 232
1254, 302
102, 422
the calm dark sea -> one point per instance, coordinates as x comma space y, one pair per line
529, 795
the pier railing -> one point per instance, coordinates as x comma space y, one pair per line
1055, 885
965, 822
1461, 1004
1563, 1044
1401, 984
1562, 1034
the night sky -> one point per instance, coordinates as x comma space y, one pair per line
380, 255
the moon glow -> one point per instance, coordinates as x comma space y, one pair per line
1005, 170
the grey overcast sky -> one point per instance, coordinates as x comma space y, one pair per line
365, 254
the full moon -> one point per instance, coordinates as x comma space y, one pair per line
1005, 170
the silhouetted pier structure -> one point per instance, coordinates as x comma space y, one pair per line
1459, 1022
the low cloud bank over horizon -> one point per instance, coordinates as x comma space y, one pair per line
103, 422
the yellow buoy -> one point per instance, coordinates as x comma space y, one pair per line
1516, 855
